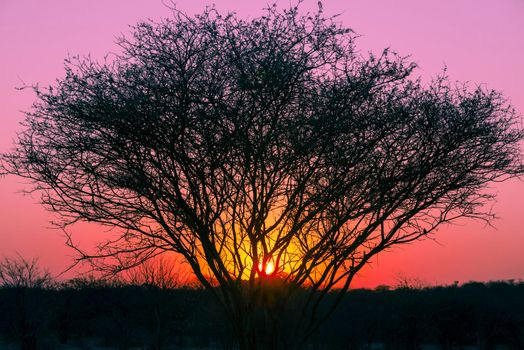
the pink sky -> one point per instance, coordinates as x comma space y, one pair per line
480, 41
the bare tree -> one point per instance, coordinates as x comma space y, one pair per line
19, 272
269, 153
26, 282
161, 272
159, 277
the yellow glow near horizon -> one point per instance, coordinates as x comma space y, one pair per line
244, 260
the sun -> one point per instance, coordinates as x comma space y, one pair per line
268, 269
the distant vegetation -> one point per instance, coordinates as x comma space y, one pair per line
88, 313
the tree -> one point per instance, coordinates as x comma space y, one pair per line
158, 273
159, 277
269, 153
19, 272
26, 283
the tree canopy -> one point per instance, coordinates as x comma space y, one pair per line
241, 144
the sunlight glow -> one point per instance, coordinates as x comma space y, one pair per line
270, 268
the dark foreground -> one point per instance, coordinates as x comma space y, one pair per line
93, 315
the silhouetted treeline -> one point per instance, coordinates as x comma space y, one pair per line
479, 315
88, 313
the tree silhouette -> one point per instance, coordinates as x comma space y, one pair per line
26, 283
158, 277
269, 153
18, 272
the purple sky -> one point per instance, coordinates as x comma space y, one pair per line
479, 41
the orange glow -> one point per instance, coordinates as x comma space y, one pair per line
269, 258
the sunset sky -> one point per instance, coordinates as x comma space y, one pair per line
479, 41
